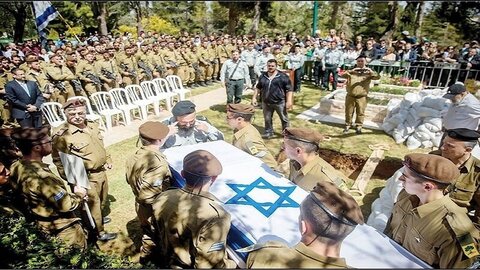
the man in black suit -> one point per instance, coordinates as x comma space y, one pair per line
25, 99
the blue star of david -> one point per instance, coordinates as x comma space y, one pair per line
267, 208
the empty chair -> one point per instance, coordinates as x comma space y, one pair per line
177, 86
54, 113
123, 102
153, 93
90, 114
164, 87
106, 107
137, 96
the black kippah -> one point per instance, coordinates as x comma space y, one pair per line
463, 134
183, 107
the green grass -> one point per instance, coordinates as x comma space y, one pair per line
122, 203
394, 91
377, 101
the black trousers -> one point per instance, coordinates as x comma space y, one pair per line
234, 91
268, 110
32, 120
318, 72
297, 80
330, 69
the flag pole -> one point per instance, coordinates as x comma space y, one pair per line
68, 25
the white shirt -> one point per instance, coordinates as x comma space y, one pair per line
24, 86
465, 114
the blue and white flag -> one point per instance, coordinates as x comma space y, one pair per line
44, 13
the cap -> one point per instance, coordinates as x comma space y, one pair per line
406, 33
73, 103
455, 89
432, 167
463, 134
202, 163
241, 108
183, 107
30, 134
303, 135
338, 204
153, 130
31, 58
361, 56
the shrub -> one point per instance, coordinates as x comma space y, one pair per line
23, 245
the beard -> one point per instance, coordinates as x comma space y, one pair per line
186, 130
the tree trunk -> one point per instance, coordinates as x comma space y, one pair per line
334, 15
233, 16
138, 13
20, 18
256, 19
205, 20
419, 19
392, 25
102, 18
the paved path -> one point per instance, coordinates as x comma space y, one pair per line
203, 101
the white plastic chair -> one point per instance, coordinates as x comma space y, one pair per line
164, 87
90, 114
137, 96
122, 101
152, 93
106, 107
177, 86
54, 113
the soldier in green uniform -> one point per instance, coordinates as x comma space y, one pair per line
204, 59
327, 216
216, 60
108, 72
184, 65
358, 84
148, 175
158, 61
426, 221
47, 201
279, 56
5, 114
190, 223
86, 72
307, 168
60, 77
35, 73
144, 62
128, 66
82, 138
170, 58
246, 136
193, 54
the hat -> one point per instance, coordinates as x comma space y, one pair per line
30, 134
303, 135
361, 56
455, 89
406, 33
31, 58
432, 167
183, 107
153, 130
463, 134
202, 163
73, 103
338, 204
241, 108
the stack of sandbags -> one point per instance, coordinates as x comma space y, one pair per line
417, 119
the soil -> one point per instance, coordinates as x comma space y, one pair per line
352, 164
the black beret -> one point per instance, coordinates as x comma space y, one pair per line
463, 134
183, 107
361, 56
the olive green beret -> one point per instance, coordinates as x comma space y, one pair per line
432, 167
303, 135
153, 130
202, 163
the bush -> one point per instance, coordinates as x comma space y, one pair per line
23, 245
394, 91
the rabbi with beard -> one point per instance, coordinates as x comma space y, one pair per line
187, 128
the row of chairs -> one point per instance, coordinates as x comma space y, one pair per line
124, 102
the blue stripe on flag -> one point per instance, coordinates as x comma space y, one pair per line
45, 17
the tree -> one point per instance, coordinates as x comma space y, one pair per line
393, 20
256, 19
419, 19
100, 11
19, 11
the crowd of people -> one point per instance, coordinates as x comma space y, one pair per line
428, 221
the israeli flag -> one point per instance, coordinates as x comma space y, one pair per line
44, 13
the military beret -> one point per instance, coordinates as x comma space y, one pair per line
432, 167
338, 204
73, 103
153, 130
183, 107
202, 163
30, 134
31, 58
303, 135
463, 134
241, 108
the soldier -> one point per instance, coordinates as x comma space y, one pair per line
358, 84
82, 138
193, 56
186, 128
128, 66
60, 77
327, 216
279, 56
197, 239
145, 65
246, 136
170, 57
233, 75
216, 60
35, 73
426, 221
184, 66
205, 64
5, 107
108, 72
159, 63
49, 204
148, 175
86, 72
307, 168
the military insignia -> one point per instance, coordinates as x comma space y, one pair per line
157, 183
257, 246
59, 196
251, 148
417, 239
250, 248
217, 247
468, 245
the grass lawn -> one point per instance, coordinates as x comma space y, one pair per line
121, 206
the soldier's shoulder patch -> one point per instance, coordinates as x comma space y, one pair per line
462, 233
59, 195
252, 149
216, 247
60, 130
257, 246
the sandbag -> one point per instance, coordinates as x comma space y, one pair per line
427, 112
413, 142
427, 144
437, 103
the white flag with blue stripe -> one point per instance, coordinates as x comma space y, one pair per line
44, 13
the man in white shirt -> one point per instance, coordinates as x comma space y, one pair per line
465, 109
